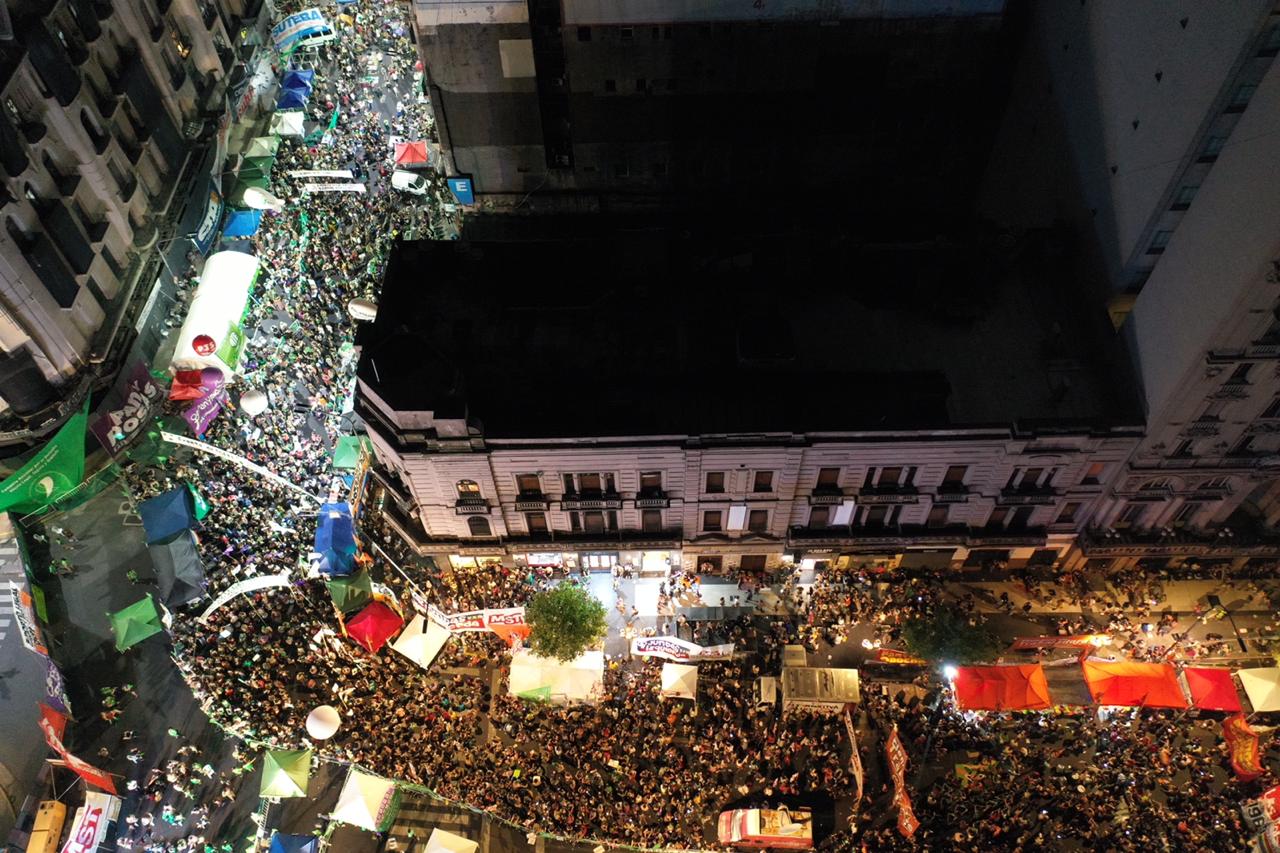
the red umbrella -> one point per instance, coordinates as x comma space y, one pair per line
411, 154
374, 625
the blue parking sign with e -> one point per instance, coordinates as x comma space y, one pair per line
462, 190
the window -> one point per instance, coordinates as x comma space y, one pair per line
875, 516
12, 109
611, 85
651, 520
1067, 515
584, 33
609, 486
468, 489
1215, 483
641, 85
1240, 100
627, 33
479, 526
593, 522
671, 84
1243, 447
179, 39
819, 517
1132, 515
1212, 148
1026, 479
889, 477
611, 520
1213, 411
589, 483
1240, 376
763, 482
752, 562
1021, 518
758, 520
955, 475
828, 478
1158, 242
1273, 409
997, 517
1185, 449
715, 483
575, 521
938, 515
535, 522
569, 488
666, 33
1182, 200
528, 484
711, 520
1186, 514
650, 482
1157, 485
1271, 44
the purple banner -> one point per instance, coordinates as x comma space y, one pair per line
141, 396
202, 413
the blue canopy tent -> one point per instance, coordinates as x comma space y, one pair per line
242, 223
293, 99
298, 78
335, 550
167, 514
294, 844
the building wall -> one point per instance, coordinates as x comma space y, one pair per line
97, 111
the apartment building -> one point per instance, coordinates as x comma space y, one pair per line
108, 114
1165, 115
884, 109
731, 412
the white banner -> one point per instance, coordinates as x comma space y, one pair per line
206, 447
492, 619
251, 585
676, 649
321, 173
334, 188
24, 613
91, 823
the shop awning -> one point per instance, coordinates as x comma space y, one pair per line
352, 592
242, 223
179, 570
1212, 689
1132, 684
1002, 688
1262, 686
294, 844
411, 154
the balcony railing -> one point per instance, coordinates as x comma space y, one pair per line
1178, 542
950, 493
531, 502
888, 495
652, 501
471, 506
826, 496
912, 535
1038, 496
605, 500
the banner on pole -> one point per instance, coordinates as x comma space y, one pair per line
250, 585
855, 759
142, 395
24, 614
53, 725
55, 689
506, 622
897, 757
676, 649
205, 447
92, 822
1242, 741
53, 473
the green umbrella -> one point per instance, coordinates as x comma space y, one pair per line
285, 772
352, 592
346, 453
537, 694
135, 623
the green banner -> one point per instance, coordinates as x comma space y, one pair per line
54, 472
232, 344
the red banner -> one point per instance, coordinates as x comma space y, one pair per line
1075, 641
53, 725
1242, 740
899, 657
897, 755
855, 760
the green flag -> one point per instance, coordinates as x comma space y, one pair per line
333, 120
53, 473
200, 507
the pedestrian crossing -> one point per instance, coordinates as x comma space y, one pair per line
419, 814
10, 570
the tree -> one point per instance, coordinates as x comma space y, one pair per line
564, 622
948, 637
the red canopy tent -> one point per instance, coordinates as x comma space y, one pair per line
1002, 688
1134, 685
411, 154
374, 625
1212, 689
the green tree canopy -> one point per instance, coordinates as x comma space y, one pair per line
564, 622
947, 637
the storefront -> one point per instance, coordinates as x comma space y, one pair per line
655, 564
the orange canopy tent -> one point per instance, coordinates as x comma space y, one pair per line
1134, 685
1002, 688
374, 625
1212, 689
411, 154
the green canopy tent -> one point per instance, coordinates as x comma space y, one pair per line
285, 772
352, 592
346, 453
236, 196
256, 167
135, 623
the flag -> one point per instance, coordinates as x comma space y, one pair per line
1242, 741
53, 473
53, 724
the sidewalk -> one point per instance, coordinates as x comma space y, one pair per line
1255, 597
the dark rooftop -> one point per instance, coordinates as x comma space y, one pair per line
627, 328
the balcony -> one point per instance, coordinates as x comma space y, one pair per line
471, 506
531, 502
603, 500
144, 234
13, 154
131, 149
912, 535
1038, 496
106, 102
652, 500
1171, 542
77, 52
667, 539
876, 495
177, 75
86, 18
951, 493
210, 16
33, 131
1256, 351
103, 9
826, 496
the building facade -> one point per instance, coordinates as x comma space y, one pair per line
107, 114
1172, 180
573, 105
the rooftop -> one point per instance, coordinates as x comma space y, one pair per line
564, 327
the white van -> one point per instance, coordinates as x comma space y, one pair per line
410, 182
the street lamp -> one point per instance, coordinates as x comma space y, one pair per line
1215, 601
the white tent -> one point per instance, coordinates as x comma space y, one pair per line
210, 335
366, 801
287, 123
1262, 686
421, 646
679, 681
446, 842
579, 680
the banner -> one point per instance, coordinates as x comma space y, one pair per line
308, 22
93, 820
1261, 813
898, 657
1267, 842
1242, 741
334, 188
506, 622
855, 759
1075, 641
251, 585
205, 447
55, 689
25, 615
232, 346
53, 725
207, 231
321, 173
897, 756
676, 649
200, 415
53, 473
142, 395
